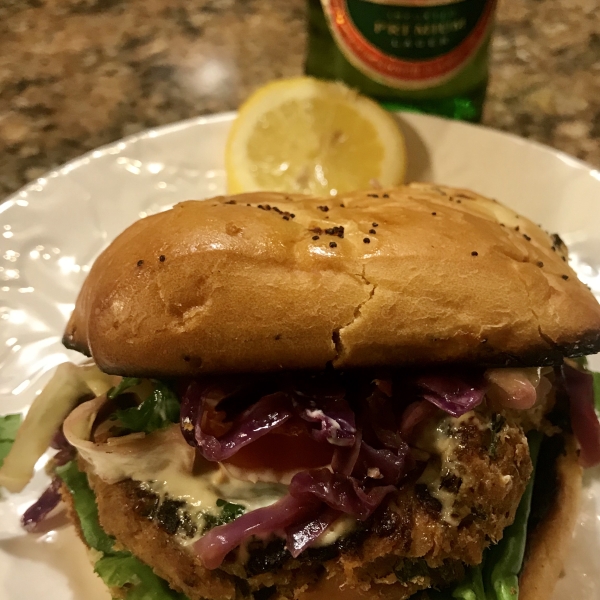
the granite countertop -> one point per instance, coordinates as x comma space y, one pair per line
76, 74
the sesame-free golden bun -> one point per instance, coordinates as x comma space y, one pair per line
420, 274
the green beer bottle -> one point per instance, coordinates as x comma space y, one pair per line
420, 55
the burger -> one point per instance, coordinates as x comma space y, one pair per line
377, 395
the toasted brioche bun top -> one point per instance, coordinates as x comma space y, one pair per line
420, 274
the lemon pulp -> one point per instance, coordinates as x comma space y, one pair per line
304, 135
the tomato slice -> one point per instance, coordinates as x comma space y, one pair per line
287, 448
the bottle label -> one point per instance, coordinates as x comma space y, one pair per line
409, 44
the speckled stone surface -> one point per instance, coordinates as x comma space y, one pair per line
76, 74
545, 82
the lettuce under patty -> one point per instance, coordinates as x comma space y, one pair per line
116, 568
504, 561
471, 588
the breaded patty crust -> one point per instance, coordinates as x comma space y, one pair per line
414, 541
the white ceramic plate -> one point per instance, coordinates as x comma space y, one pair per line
53, 229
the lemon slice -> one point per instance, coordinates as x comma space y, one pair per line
311, 136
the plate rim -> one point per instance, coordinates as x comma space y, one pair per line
37, 186
225, 116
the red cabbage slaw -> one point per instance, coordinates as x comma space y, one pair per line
368, 435
51, 497
369, 461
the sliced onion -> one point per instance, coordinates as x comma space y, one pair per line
514, 388
136, 455
48, 411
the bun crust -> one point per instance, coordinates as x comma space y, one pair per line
265, 281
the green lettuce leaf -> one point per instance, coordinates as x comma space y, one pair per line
124, 385
160, 409
8, 431
116, 568
119, 571
86, 508
471, 588
504, 561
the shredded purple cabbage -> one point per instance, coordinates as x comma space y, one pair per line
336, 418
40, 509
62, 457
267, 414
66, 452
382, 417
214, 546
455, 394
414, 415
51, 497
59, 441
370, 458
381, 466
300, 536
339, 492
345, 457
